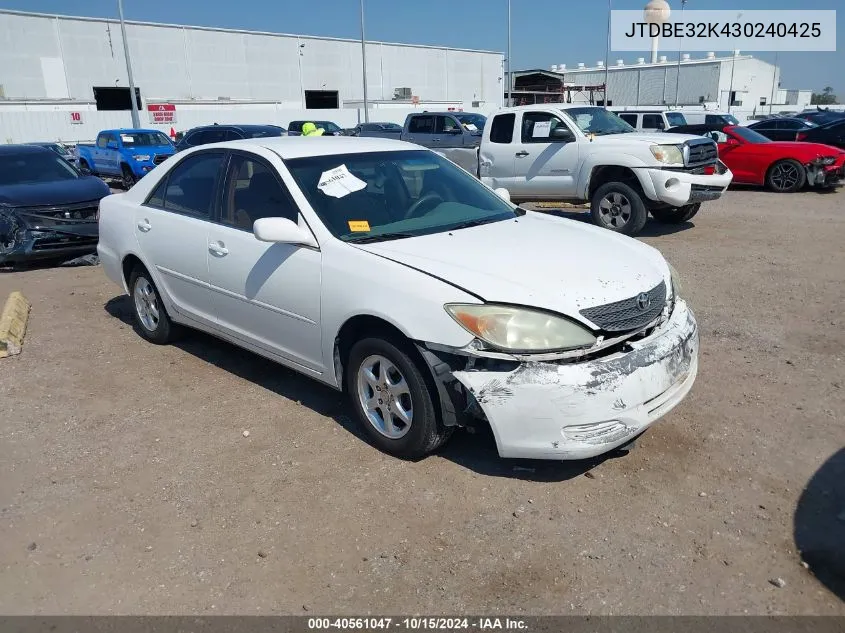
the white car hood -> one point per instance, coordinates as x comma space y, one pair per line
537, 261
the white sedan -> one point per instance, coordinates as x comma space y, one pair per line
382, 269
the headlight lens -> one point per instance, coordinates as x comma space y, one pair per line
142, 157
668, 154
676, 281
520, 329
826, 160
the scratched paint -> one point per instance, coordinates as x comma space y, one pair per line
529, 407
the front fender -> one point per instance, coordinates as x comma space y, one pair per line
634, 163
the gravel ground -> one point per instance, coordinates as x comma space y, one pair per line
127, 485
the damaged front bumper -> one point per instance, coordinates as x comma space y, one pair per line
55, 233
819, 175
577, 410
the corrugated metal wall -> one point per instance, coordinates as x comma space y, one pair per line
654, 85
174, 62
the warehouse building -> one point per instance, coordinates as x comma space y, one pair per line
743, 83
52, 62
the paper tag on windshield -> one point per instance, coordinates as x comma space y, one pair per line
542, 129
359, 226
126, 138
338, 182
470, 126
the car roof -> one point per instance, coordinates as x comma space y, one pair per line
289, 147
8, 150
130, 130
246, 127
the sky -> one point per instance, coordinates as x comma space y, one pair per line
543, 32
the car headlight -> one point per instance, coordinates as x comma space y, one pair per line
668, 154
825, 160
676, 281
141, 157
520, 329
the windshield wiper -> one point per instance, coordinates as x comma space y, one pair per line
471, 223
381, 237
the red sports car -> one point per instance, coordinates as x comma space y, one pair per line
784, 166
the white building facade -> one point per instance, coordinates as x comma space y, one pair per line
62, 63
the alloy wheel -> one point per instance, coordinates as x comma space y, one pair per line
146, 304
785, 176
385, 396
615, 210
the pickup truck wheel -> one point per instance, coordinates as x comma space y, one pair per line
127, 177
676, 215
392, 400
151, 319
786, 176
83, 164
619, 207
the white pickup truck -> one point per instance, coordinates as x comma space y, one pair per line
573, 153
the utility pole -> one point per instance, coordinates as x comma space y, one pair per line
607, 55
678, 78
510, 67
774, 82
136, 121
364, 62
731, 90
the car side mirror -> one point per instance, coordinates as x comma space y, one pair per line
503, 193
282, 231
562, 135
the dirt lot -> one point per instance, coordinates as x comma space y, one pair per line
127, 486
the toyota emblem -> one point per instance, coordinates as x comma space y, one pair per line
643, 301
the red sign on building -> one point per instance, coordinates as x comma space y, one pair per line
163, 113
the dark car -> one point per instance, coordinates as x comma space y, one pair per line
48, 208
781, 128
829, 134
820, 116
377, 130
61, 150
331, 129
218, 133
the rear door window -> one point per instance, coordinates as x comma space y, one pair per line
421, 125
192, 185
653, 122
501, 130
630, 119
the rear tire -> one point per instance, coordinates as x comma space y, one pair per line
127, 177
151, 318
786, 176
392, 399
619, 207
676, 215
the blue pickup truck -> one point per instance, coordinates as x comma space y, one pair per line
125, 154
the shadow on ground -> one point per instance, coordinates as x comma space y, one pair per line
820, 524
475, 451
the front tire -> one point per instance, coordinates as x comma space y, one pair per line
392, 399
786, 176
676, 215
127, 177
618, 207
151, 319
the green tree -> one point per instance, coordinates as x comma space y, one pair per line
825, 97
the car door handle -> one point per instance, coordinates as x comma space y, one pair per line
437, 140
522, 153
144, 225
217, 248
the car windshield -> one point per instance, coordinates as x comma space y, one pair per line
749, 135
598, 121
37, 167
477, 120
389, 126
143, 139
379, 196
730, 119
676, 118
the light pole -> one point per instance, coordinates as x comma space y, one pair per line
136, 122
364, 63
678, 78
774, 82
510, 68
